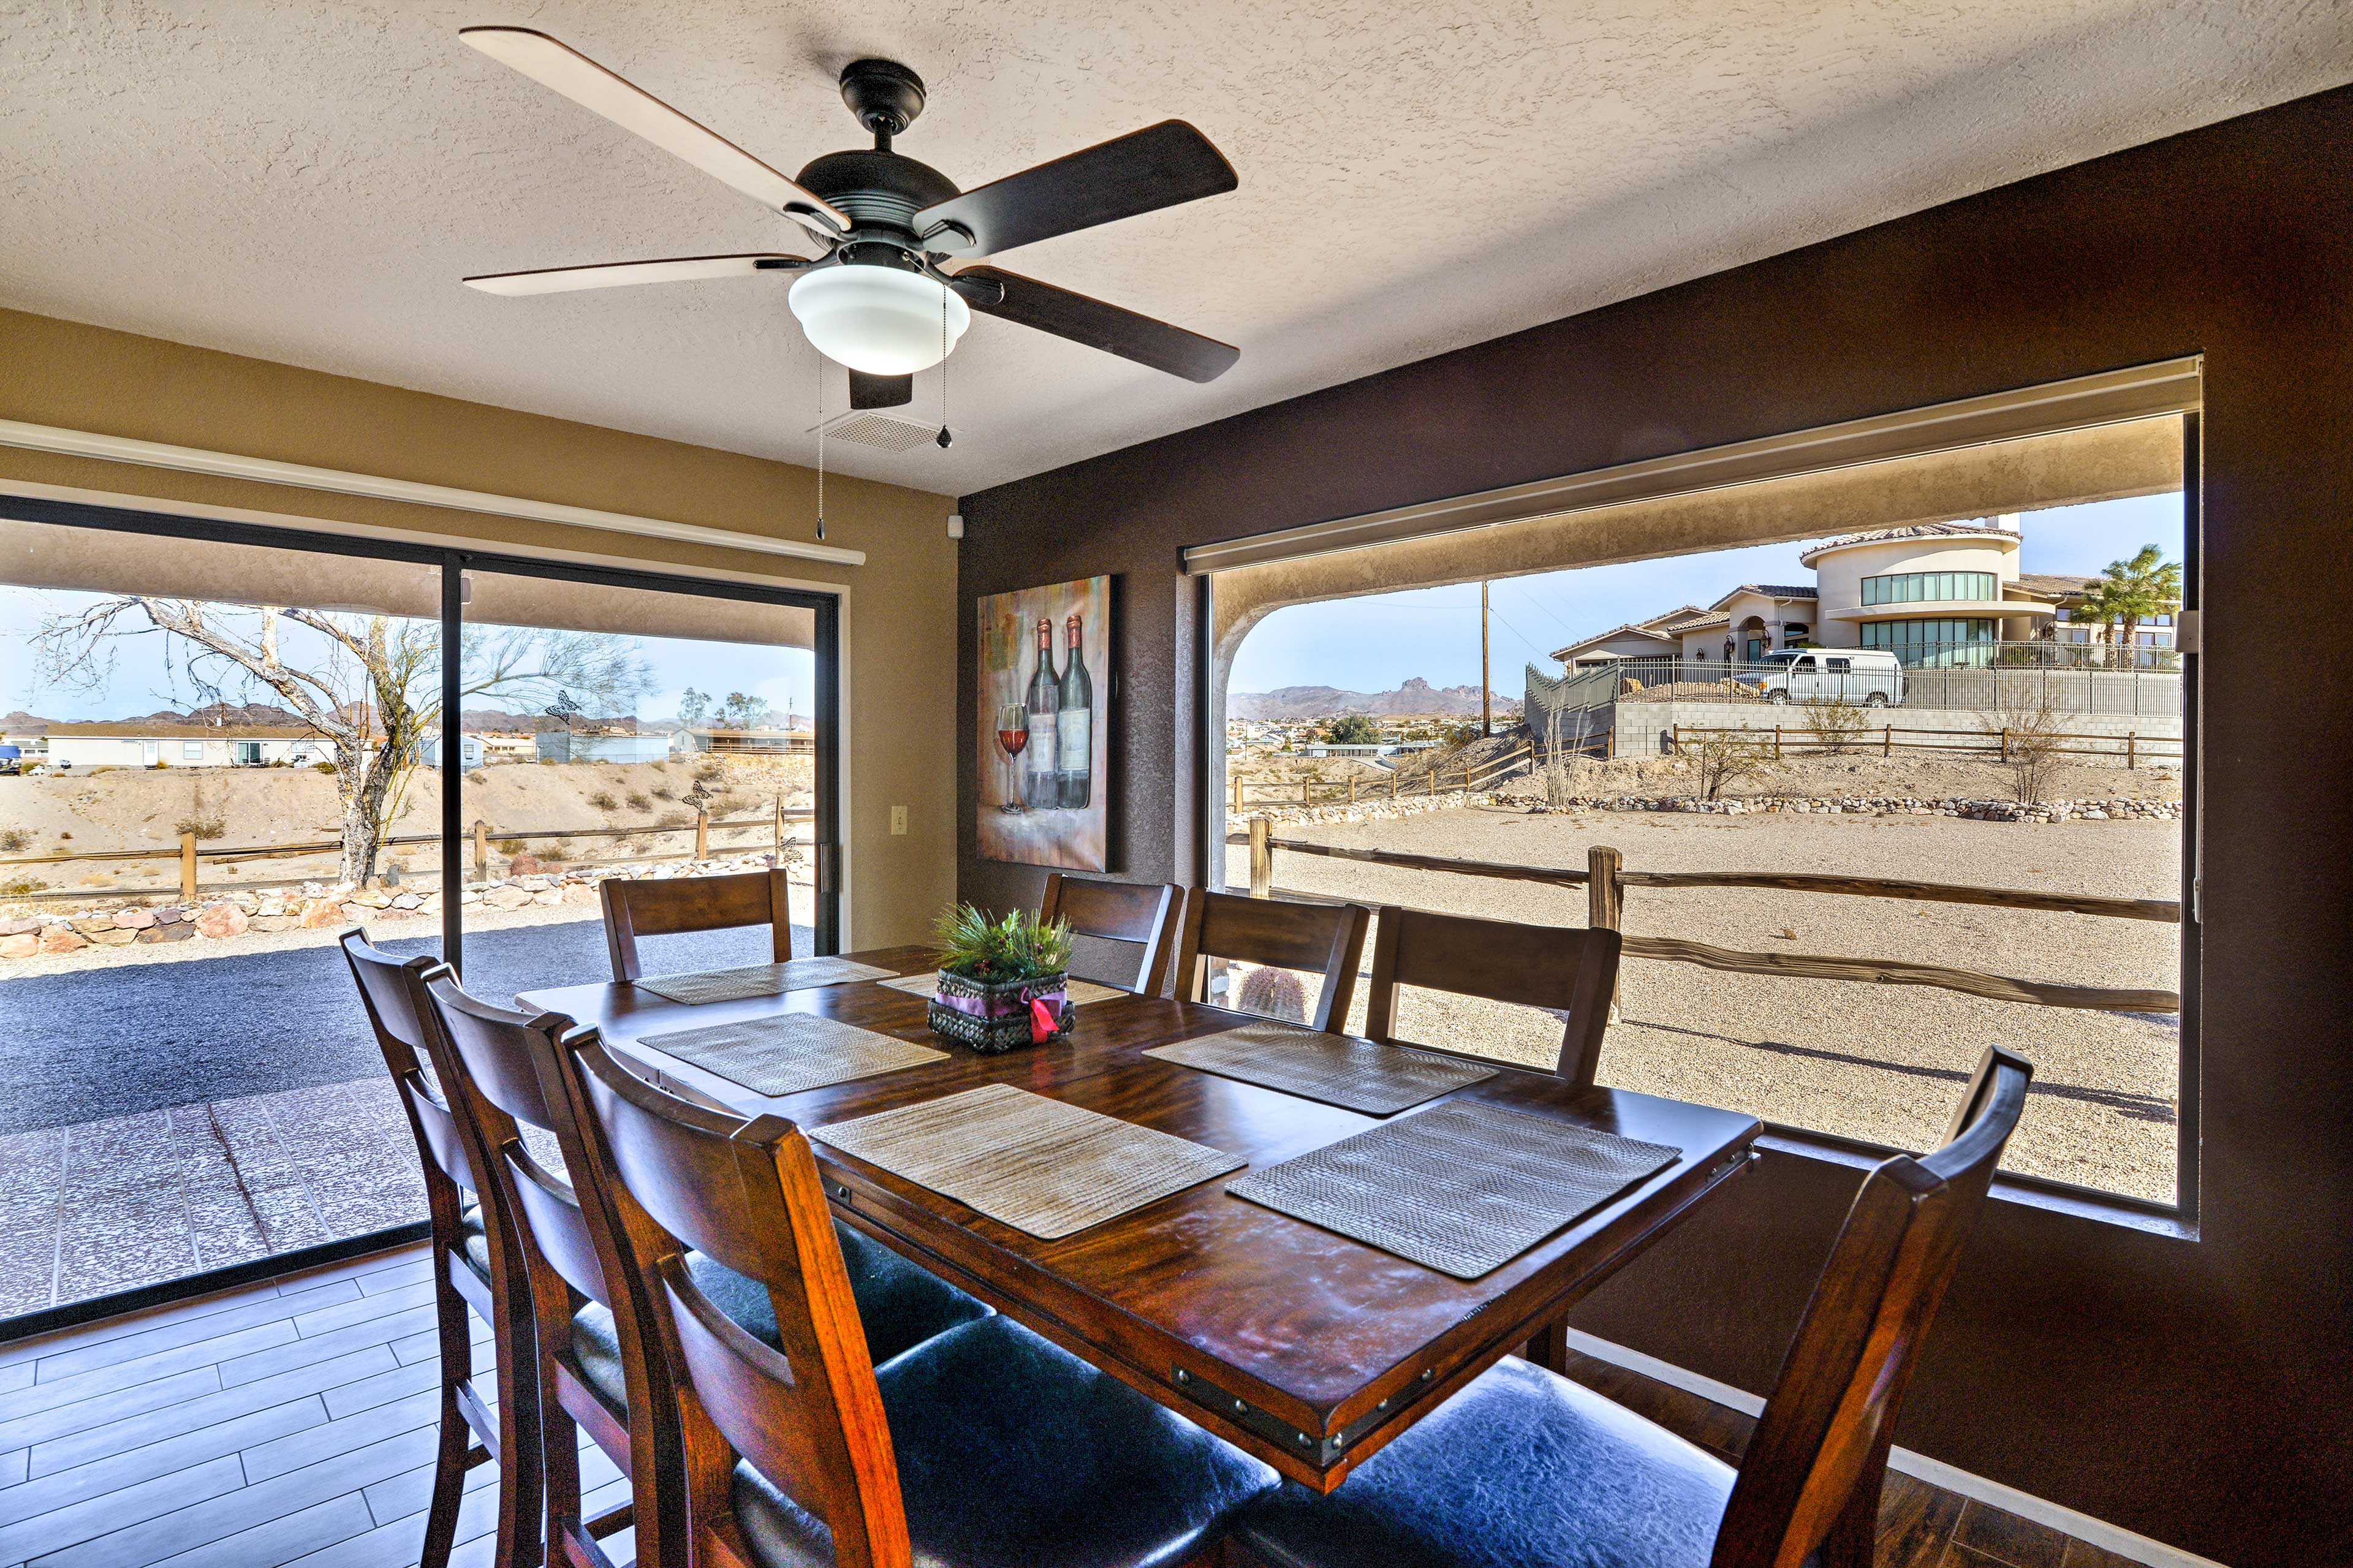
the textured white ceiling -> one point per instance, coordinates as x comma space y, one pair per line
307, 180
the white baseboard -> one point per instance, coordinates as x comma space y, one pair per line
1935, 1472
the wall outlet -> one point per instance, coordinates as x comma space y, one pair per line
898, 819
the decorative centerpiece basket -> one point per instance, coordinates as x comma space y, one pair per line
996, 1015
1002, 982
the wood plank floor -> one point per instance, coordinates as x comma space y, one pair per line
294, 1422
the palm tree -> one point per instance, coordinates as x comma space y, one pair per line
2132, 591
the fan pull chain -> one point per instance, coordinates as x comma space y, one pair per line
946, 440
820, 446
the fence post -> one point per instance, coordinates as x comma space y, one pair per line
1887, 739
1605, 899
2005, 742
1777, 742
1352, 789
1394, 781
481, 850
187, 867
2132, 739
780, 832
1262, 856
1306, 792
702, 834
1237, 807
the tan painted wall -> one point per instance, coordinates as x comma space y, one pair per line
899, 623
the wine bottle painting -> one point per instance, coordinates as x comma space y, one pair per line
1043, 708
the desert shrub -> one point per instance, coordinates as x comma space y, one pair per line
1835, 727
603, 801
21, 885
63, 836
663, 792
507, 846
204, 828
1727, 756
638, 802
2031, 738
322, 767
14, 840
478, 776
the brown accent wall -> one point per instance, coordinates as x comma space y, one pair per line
897, 650
2193, 1390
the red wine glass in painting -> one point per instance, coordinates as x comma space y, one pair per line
1012, 736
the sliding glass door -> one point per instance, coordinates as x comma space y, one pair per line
615, 730
220, 746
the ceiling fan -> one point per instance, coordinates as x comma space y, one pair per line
897, 280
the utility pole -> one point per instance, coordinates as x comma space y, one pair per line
1486, 717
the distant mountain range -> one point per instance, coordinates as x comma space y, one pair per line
1416, 699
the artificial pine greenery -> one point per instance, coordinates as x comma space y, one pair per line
1019, 946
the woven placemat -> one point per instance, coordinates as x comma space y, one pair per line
1078, 990
1357, 1075
758, 980
1462, 1188
792, 1051
1038, 1165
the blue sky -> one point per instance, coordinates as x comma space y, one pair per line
1378, 642
139, 683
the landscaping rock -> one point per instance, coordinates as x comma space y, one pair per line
507, 897
222, 918
114, 936
170, 914
526, 866
61, 939
25, 926
179, 931
276, 922
134, 920
319, 913
20, 944
90, 925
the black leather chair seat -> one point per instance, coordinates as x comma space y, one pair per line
1522, 1469
900, 1305
474, 1245
1013, 1453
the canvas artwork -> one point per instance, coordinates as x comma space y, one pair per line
1044, 710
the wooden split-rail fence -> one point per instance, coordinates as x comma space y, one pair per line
1605, 880
2133, 747
191, 854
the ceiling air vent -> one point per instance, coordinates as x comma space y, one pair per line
870, 429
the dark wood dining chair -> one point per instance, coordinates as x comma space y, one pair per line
1326, 940
475, 1265
634, 909
579, 1321
1569, 971
1142, 914
987, 1447
1523, 1465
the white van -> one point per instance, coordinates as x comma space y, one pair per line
1868, 677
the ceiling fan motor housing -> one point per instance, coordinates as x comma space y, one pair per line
884, 95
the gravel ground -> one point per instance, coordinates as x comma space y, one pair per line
1878, 1062
113, 1032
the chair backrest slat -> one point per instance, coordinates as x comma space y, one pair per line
1144, 913
1814, 1464
810, 1417
389, 989
1327, 940
1570, 970
634, 909
494, 1062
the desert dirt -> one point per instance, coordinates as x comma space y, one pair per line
140, 808
1883, 1063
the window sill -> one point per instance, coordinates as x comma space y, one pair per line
2032, 1192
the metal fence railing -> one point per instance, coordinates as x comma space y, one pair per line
2014, 675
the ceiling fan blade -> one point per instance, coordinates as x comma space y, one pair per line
1109, 327
881, 391
568, 71
1156, 167
618, 274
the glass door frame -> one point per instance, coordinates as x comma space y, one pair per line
453, 563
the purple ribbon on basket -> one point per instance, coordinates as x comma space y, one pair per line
979, 1008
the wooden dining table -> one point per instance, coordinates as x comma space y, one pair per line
1300, 1345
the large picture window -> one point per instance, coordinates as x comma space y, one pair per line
1689, 712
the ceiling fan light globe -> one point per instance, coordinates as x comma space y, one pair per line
878, 320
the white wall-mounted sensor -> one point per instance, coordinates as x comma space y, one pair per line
956, 525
